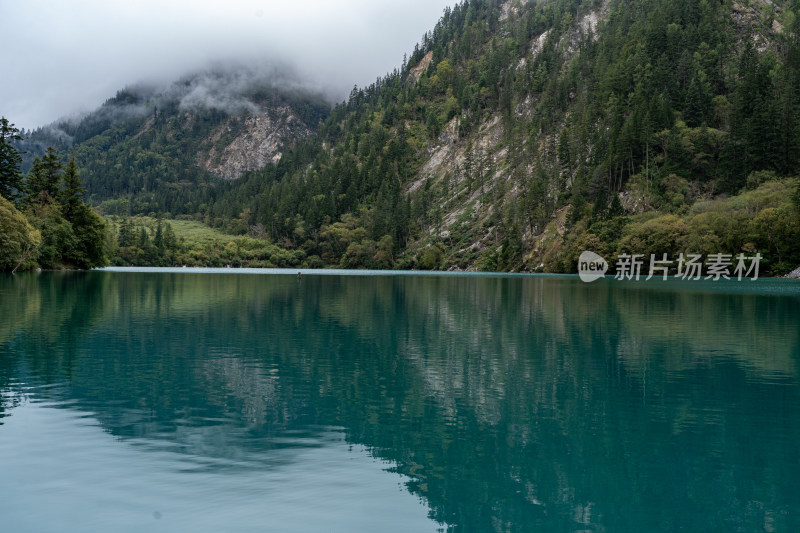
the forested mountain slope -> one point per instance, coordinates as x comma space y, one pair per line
518, 133
147, 147
515, 135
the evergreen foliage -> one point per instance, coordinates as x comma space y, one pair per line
670, 103
57, 228
19, 241
10, 160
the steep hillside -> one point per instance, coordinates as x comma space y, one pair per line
518, 132
515, 135
147, 147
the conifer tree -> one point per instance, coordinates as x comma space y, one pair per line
144, 239
125, 236
45, 176
796, 199
71, 196
10, 161
158, 240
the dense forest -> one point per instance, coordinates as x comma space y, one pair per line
514, 136
44, 220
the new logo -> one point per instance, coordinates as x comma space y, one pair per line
591, 267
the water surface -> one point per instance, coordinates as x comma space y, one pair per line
211, 401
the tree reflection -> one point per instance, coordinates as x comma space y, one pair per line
508, 402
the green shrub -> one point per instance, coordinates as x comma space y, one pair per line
19, 240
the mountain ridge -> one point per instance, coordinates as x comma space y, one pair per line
192, 127
515, 134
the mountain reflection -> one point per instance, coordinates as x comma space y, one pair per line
510, 402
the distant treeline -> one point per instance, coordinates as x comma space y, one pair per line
573, 123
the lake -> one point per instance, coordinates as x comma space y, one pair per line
183, 400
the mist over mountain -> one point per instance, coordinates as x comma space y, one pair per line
69, 57
233, 88
230, 97
511, 137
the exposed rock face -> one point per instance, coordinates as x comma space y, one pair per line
538, 44
472, 200
747, 16
257, 140
422, 66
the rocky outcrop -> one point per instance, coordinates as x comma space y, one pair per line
758, 20
416, 72
257, 141
794, 274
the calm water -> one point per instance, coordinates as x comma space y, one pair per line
141, 401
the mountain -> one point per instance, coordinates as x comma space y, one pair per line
518, 134
515, 135
146, 145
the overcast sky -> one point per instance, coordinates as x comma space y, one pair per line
62, 57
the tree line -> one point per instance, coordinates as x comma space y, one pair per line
670, 103
44, 221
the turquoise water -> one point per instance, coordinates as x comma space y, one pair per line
218, 401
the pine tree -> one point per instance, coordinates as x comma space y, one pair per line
144, 239
698, 99
766, 139
615, 209
71, 196
10, 161
796, 198
564, 156
45, 177
89, 230
469, 168
158, 240
169, 237
124, 237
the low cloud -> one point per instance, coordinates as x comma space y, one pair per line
215, 93
74, 55
233, 87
